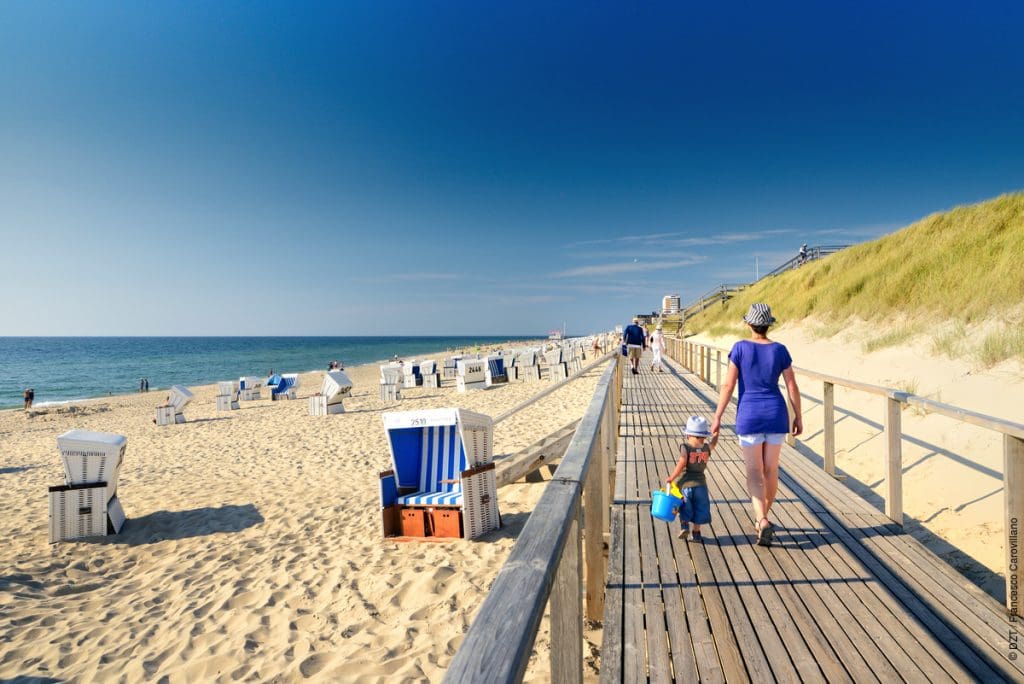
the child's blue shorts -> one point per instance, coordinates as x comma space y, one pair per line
696, 506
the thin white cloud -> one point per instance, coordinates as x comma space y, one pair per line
634, 266
682, 239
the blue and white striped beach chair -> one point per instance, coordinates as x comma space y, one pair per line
286, 388
442, 482
249, 388
495, 372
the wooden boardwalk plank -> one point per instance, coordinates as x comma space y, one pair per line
843, 595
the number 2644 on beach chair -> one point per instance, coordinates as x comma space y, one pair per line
443, 483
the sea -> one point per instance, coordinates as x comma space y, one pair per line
63, 369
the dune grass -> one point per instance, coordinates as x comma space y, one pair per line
958, 267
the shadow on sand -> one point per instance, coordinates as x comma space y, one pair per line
171, 525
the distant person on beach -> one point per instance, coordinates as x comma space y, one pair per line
802, 256
634, 337
142, 385
30, 396
657, 344
596, 347
762, 421
146, 382
690, 479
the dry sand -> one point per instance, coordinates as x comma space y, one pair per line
952, 480
253, 549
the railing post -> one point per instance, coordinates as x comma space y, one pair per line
894, 460
567, 611
718, 369
829, 427
607, 464
1013, 495
707, 365
594, 514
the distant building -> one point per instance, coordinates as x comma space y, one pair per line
670, 304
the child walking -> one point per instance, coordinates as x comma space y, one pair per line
689, 477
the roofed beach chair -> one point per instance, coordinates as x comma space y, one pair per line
328, 401
558, 369
411, 374
273, 381
471, 374
249, 388
575, 359
172, 412
390, 382
86, 504
227, 395
442, 482
495, 371
451, 366
428, 371
286, 388
511, 369
527, 364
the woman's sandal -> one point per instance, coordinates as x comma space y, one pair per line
765, 534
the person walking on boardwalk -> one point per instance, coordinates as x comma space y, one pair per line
634, 338
657, 344
689, 477
761, 417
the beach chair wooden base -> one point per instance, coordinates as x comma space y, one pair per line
462, 386
280, 396
227, 403
477, 515
318, 406
491, 380
412, 380
512, 373
165, 415
249, 394
390, 392
83, 510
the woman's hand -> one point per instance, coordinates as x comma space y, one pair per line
798, 425
716, 426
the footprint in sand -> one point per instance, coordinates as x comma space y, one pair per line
312, 665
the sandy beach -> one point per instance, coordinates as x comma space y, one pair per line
253, 548
952, 480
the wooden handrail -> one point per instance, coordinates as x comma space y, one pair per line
686, 353
546, 563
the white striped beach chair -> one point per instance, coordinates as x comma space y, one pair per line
227, 395
558, 369
471, 374
249, 388
429, 374
528, 365
330, 399
172, 412
390, 382
411, 374
86, 504
442, 481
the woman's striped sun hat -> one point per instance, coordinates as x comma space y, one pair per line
759, 314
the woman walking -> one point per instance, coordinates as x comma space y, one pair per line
761, 417
657, 348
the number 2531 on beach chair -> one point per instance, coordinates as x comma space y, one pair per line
442, 483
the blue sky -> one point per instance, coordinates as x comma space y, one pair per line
476, 168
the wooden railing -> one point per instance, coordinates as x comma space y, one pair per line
698, 359
566, 529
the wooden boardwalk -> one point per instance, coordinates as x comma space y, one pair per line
842, 594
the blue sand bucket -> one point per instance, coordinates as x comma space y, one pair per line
664, 505
624, 350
